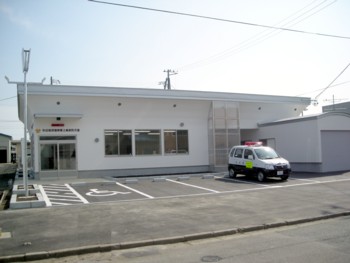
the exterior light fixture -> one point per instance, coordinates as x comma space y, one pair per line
25, 60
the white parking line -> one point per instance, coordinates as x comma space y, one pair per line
77, 194
241, 181
65, 196
194, 186
62, 194
307, 180
134, 190
286, 186
43, 193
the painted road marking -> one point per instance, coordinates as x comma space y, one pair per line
134, 190
43, 193
307, 180
241, 181
194, 186
77, 194
289, 185
96, 192
64, 194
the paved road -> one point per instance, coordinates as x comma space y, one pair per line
322, 242
171, 211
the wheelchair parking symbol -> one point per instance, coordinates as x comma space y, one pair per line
96, 192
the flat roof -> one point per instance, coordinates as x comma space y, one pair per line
304, 118
5, 135
67, 90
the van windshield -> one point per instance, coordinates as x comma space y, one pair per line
264, 153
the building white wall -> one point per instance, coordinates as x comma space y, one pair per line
334, 121
296, 141
252, 113
100, 113
120, 108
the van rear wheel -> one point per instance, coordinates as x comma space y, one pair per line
232, 173
261, 176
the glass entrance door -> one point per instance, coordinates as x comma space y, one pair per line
57, 156
66, 156
48, 154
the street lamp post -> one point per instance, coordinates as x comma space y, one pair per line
25, 61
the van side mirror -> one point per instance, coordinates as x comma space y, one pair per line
250, 157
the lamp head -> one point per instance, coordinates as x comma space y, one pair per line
25, 59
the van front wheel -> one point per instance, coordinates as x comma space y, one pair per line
261, 176
232, 173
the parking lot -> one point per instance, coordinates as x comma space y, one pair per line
85, 213
129, 189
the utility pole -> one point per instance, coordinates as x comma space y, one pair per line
169, 72
54, 81
333, 101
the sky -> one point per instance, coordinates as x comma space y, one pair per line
82, 42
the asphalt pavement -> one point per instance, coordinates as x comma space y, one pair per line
38, 233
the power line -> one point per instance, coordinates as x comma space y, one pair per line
330, 84
341, 83
221, 19
8, 98
258, 38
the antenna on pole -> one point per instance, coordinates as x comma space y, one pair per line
166, 83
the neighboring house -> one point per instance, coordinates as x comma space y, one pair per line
337, 107
5, 148
17, 152
103, 131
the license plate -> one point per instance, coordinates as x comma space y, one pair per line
279, 172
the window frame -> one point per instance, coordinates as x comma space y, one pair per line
152, 150
119, 146
177, 150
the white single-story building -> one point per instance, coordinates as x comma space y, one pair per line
103, 131
315, 143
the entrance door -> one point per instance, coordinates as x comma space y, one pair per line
57, 156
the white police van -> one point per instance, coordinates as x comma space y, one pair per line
253, 159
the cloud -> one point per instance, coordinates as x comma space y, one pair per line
15, 18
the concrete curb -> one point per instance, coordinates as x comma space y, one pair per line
161, 241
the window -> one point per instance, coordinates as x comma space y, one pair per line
176, 141
118, 142
147, 142
265, 153
248, 152
239, 153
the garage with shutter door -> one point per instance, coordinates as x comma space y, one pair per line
335, 147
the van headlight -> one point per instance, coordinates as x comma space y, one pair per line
269, 167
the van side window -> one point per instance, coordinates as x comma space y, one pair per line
239, 153
248, 152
